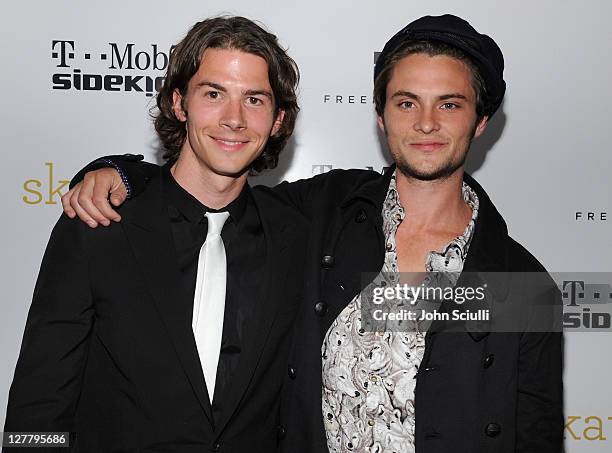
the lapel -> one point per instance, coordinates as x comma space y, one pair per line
488, 257
362, 205
373, 191
487, 261
354, 250
488, 251
147, 227
279, 227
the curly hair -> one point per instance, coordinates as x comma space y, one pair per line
236, 33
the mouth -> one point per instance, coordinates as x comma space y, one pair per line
428, 146
230, 144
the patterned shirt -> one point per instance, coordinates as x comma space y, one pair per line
369, 378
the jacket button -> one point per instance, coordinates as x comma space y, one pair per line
281, 432
216, 447
291, 371
493, 430
361, 216
320, 308
488, 361
327, 261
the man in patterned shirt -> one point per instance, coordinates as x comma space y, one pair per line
430, 105
437, 83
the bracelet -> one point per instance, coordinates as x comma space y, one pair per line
122, 174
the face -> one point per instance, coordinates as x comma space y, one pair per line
430, 115
228, 111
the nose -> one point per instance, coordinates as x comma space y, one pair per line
233, 115
426, 121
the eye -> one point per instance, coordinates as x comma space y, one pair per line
406, 105
212, 94
449, 106
252, 100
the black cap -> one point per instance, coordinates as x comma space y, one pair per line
454, 31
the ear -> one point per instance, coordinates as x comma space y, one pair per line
177, 105
278, 122
381, 123
481, 126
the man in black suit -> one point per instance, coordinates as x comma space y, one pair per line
479, 389
159, 334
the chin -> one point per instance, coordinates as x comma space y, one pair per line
233, 172
232, 169
428, 173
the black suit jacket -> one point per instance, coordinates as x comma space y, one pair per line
109, 354
477, 391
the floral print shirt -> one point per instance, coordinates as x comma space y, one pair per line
369, 378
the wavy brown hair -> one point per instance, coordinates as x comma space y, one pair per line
237, 33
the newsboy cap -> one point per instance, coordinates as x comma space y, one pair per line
456, 32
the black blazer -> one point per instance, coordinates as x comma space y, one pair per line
477, 391
109, 354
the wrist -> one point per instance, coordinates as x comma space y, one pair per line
122, 175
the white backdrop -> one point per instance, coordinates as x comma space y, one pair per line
545, 158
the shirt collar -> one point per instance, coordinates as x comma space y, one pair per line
393, 206
182, 204
393, 214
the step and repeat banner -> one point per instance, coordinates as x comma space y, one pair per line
79, 79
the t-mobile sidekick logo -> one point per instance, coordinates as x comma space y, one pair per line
588, 305
118, 58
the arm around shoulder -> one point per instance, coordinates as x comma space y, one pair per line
132, 168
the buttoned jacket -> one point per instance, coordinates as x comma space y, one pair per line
476, 391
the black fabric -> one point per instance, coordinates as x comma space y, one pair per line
457, 32
131, 163
245, 252
458, 402
108, 351
458, 398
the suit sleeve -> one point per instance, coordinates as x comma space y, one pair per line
299, 194
134, 168
324, 192
540, 423
48, 376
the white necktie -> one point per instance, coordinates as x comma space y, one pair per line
209, 299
